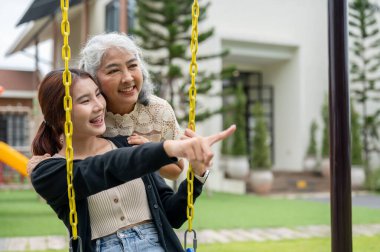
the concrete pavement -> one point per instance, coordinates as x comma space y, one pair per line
204, 236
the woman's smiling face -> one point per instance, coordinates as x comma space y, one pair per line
121, 80
88, 109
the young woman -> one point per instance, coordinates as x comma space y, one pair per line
122, 204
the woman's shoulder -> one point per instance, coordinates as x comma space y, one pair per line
51, 165
155, 100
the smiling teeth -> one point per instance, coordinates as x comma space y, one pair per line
127, 89
97, 120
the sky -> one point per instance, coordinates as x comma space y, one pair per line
10, 13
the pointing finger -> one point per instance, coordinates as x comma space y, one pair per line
221, 135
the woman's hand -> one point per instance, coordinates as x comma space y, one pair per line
196, 165
34, 161
197, 149
136, 139
188, 134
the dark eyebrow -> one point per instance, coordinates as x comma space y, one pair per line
116, 65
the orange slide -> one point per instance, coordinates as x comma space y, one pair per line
13, 158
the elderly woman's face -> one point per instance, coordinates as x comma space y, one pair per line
121, 80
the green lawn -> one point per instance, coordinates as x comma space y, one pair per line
23, 213
247, 211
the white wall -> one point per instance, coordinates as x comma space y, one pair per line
301, 81
285, 78
295, 60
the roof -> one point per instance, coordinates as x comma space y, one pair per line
17, 80
40, 28
42, 8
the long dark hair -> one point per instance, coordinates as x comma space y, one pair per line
50, 96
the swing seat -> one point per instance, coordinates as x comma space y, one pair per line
190, 250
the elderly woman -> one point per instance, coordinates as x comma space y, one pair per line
115, 61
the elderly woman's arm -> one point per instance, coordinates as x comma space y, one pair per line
171, 171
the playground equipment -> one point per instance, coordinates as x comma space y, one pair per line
193, 70
13, 158
339, 105
67, 102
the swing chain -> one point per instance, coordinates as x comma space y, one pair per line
71, 247
192, 97
67, 104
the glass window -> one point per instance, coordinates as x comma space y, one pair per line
14, 129
112, 15
256, 92
3, 129
131, 14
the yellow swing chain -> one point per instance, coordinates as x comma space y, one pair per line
68, 104
192, 97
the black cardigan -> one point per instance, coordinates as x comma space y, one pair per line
98, 173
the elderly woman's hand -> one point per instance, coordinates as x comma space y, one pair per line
136, 139
34, 161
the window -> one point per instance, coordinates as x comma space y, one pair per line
255, 91
112, 15
14, 129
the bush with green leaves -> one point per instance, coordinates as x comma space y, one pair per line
356, 142
260, 154
325, 152
312, 148
239, 138
373, 182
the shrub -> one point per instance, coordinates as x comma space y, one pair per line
356, 142
260, 154
312, 148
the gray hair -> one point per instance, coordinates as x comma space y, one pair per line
92, 53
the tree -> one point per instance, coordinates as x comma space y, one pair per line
365, 69
164, 30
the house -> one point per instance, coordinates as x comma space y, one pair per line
279, 47
17, 108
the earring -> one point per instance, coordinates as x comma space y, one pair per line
61, 139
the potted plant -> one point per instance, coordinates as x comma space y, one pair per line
357, 170
325, 152
310, 162
261, 177
238, 166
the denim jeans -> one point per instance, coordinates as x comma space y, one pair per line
142, 238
